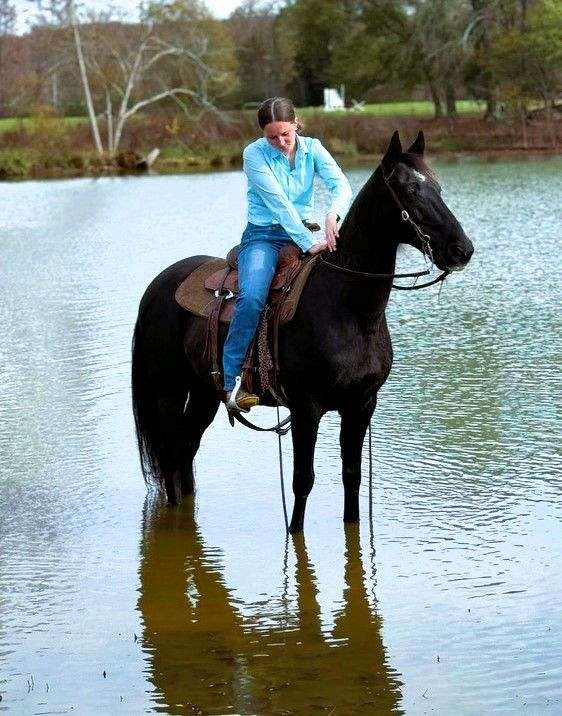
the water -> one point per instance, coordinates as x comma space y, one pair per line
448, 602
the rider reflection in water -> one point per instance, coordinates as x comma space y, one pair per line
280, 167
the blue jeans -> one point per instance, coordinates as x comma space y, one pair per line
257, 262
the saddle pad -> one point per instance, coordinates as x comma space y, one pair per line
292, 296
192, 295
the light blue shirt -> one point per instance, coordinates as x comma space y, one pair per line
278, 194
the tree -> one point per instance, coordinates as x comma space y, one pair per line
438, 32
316, 29
7, 28
264, 58
526, 61
489, 19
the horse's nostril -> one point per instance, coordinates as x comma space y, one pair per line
460, 252
455, 252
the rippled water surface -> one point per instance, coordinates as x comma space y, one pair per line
449, 601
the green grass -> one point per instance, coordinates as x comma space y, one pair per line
10, 123
405, 109
382, 109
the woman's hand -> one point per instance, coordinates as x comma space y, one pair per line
319, 246
331, 232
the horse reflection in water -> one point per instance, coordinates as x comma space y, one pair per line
206, 657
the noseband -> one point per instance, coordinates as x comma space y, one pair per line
426, 250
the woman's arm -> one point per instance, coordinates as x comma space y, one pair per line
338, 186
270, 190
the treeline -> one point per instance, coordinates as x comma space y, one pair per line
507, 53
499, 51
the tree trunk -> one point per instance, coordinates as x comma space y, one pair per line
437, 106
121, 119
551, 129
483, 48
491, 106
55, 89
435, 98
2, 98
109, 114
523, 116
450, 99
85, 83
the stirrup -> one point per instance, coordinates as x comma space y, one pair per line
246, 401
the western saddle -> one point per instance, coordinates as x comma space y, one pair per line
210, 292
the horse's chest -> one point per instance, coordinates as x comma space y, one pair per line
363, 360
351, 357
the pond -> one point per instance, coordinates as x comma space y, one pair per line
447, 601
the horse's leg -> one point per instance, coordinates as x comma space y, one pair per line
199, 413
354, 424
304, 429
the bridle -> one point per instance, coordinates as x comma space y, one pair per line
426, 250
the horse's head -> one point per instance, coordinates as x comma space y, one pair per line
414, 196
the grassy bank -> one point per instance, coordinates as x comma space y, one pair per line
418, 108
45, 145
383, 109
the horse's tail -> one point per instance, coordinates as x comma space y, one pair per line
159, 376
144, 408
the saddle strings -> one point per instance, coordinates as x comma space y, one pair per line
370, 477
281, 475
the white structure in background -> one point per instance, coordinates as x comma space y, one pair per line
334, 99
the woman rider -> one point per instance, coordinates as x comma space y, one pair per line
280, 167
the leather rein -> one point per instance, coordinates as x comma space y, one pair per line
426, 250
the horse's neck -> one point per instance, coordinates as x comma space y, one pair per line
366, 242
365, 245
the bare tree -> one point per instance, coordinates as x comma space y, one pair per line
137, 66
64, 13
84, 76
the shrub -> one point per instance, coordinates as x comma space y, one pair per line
15, 163
47, 132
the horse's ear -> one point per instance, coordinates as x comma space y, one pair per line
418, 146
393, 153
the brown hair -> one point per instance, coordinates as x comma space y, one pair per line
277, 109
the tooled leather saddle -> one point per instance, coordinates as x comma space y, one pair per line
210, 292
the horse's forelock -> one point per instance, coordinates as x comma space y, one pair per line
417, 162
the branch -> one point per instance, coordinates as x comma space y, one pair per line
132, 78
156, 98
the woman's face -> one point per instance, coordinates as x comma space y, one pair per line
281, 135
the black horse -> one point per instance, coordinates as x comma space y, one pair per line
335, 354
